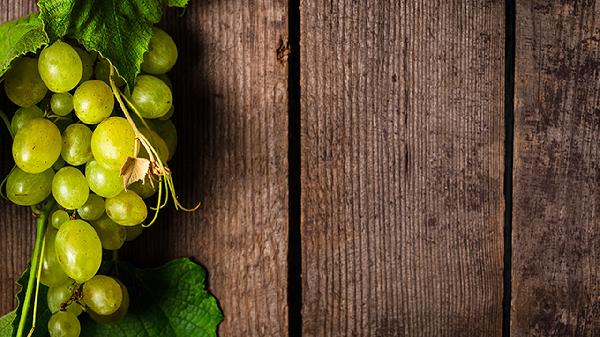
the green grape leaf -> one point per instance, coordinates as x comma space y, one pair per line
19, 37
170, 301
119, 30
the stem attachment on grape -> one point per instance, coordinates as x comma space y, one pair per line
41, 223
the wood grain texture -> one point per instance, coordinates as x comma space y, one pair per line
231, 101
402, 167
556, 220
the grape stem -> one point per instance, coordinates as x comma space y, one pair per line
6, 122
41, 223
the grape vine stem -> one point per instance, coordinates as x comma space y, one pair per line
41, 223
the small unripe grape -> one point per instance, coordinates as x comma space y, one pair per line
61, 104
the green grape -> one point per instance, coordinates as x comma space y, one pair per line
23, 116
151, 96
111, 234
144, 189
117, 315
52, 274
167, 131
162, 55
23, 84
70, 188
133, 232
112, 142
64, 324
59, 295
165, 78
60, 67
37, 146
157, 143
58, 218
127, 209
102, 295
26, 189
87, 62
79, 250
76, 144
61, 104
58, 164
103, 71
93, 101
93, 208
103, 181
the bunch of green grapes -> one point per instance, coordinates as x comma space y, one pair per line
70, 143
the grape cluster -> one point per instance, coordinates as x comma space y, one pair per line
71, 141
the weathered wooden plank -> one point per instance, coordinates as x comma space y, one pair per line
402, 167
231, 104
556, 230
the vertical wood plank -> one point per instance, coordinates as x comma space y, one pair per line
231, 102
402, 167
556, 231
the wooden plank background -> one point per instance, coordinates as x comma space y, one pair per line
231, 102
402, 167
556, 241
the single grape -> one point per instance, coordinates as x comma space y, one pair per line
93, 101
133, 232
144, 189
151, 96
103, 181
23, 84
87, 62
52, 274
102, 294
61, 104
127, 209
26, 189
37, 146
103, 71
59, 295
23, 116
111, 234
117, 315
60, 67
79, 250
112, 142
167, 131
70, 188
93, 208
64, 324
162, 55
76, 144
58, 218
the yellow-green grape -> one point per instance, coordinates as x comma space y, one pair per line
23, 84
144, 189
127, 209
111, 234
61, 104
93, 208
93, 101
117, 315
112, 142
52, 274
102, 295
26, 189
103, 181
167, 131
76, 144
64, 324
37, 146
151, 96
60, 67
58, 218
103, 71
23, 116
162, 55
70, 188
79, 250
133, 232
87, 62
59, 295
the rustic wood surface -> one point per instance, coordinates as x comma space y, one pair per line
556, 226
231, 102
402, 168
